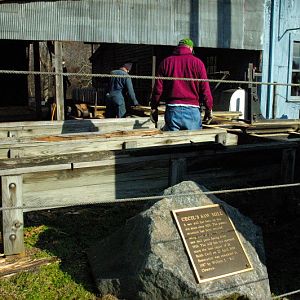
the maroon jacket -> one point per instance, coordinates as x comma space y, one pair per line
182, 64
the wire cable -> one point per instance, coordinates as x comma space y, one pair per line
154, 198
147, 77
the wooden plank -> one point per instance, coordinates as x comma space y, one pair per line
10, 267
288, 136
35, 169
141, 178
95, 175
57, 145
42, 128
12, 196
94, 185
37, 128
105, 158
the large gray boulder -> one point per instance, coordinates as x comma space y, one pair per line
146, 259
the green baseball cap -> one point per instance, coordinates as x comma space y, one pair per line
187, 42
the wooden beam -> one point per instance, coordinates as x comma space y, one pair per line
104, 158
64, 144
39, 128
42, 128
153, 70
37, 80
59, 89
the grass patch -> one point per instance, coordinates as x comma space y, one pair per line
49, 282
65, 234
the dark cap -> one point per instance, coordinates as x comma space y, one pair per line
128, 66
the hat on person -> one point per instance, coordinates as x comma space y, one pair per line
186, 42
128, 66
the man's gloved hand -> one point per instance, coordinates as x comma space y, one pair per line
154, 115
207, 116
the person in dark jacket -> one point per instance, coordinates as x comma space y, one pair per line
183, 98
115, 102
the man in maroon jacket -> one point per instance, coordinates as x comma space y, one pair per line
183, 97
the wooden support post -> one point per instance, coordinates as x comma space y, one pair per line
177, 171
37, 80
288, 165
59, 88
153, 70
12, 196
287, 196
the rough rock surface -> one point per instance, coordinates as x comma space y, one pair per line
146, 259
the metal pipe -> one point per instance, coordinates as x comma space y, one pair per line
274, 101
271, 58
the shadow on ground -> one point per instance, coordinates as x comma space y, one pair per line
71, 231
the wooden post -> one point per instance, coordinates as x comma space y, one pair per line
288, 165
177, 171
12, 196
37, 81
59, 88
153, 69
287, 196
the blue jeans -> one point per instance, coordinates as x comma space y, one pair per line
182, 118
115, 106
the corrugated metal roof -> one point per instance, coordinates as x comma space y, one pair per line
213, 23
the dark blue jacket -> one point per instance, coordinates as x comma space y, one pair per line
119, 85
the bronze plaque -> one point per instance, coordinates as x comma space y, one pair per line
212, 242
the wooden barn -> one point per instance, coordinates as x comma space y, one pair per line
227, 35
52, 164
